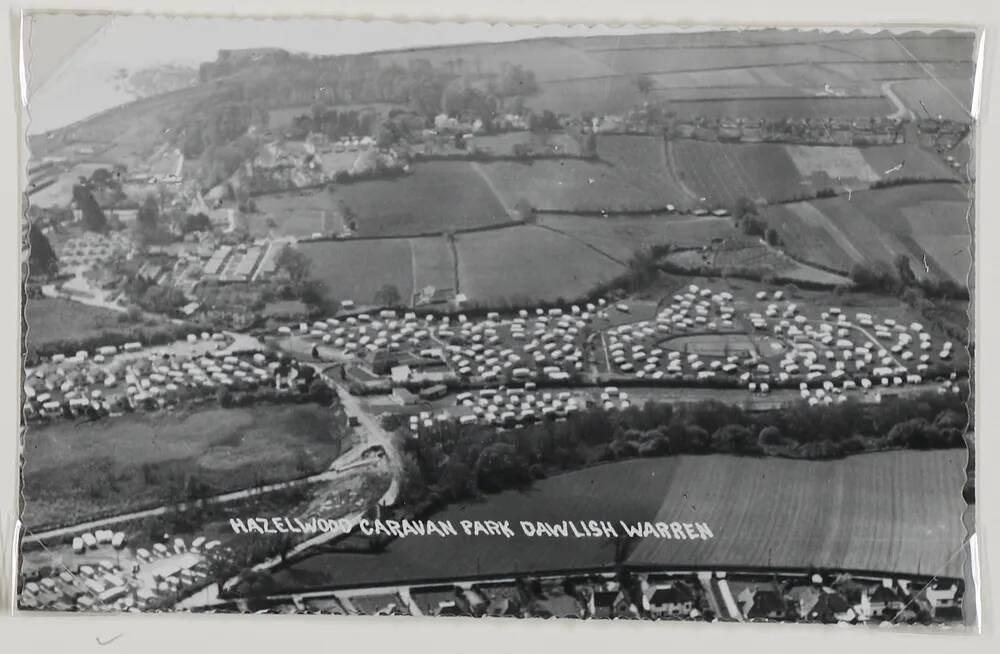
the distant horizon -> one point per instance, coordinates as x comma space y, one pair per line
135, 43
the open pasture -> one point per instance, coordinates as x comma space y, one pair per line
573, 185
950, 98
620, 237
643, 161
927, 223
542, 142
528, 263
777, 108
433, 264
356, 270
295, 213
412, 205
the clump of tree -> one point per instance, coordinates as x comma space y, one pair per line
746, 218
296, 266
42, 260
92, 215
643, 84
388, 296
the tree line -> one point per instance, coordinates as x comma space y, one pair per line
454, 462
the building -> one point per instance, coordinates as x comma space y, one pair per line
433, 392
670, 600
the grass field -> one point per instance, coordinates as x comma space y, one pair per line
52, 319
527, 263
722, 172
357, 270
503, 143
412, 204
433, 263
296, 213
75, 470
926, 222
643, 161
889, 512
621, 236
950, 98
574, 185
777, 108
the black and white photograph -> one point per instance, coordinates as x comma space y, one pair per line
335, 317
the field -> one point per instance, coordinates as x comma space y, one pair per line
777, 108
527, 263
620, 237
412, 205
925, 222
722, 172
51, 320
357, 270
643, 161
75, 470
889, 512
950, 98
296, 213
574, 185
503, 144
433, 263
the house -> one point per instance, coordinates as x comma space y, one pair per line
885, 602
400, 374
803, 597
766, 604
831, 607
433, 392
404, 397
943, 597
672, 599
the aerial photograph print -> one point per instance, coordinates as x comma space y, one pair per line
338, 317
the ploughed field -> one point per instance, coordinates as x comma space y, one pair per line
892, 512
79, 470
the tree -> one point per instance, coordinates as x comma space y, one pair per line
743, 207
197, 223
294, 262
903, 269
643, 83
499, 467
320, 392
770, 435
42, 258
94, 219
147, 220
388, 296
732, 438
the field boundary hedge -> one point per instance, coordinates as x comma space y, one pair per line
434, 234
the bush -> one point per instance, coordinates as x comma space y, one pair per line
770, 436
